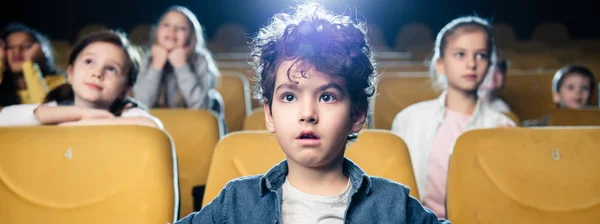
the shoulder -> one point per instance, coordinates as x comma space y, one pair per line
494, 118
421, 109
388, 187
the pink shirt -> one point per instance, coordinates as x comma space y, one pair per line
454, 125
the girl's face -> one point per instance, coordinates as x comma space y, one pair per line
99, 75
465, 61
18, 46
173, 31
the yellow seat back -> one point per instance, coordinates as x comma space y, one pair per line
529, 95
525, 175
513, 117
395, 92
583, 117
235, 90
100, 174
195, 134
255, 121
377, 152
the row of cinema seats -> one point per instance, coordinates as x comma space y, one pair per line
528, 92
141, 175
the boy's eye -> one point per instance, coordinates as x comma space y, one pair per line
328, 98
459, 54
88, 61
288, 98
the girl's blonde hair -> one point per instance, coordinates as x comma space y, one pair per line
465, 24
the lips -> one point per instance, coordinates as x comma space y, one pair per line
308, 138
470, 77
94, 86
17, 59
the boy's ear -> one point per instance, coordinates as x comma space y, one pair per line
268, 117
70, 74
358, 122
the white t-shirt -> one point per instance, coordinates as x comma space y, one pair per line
22, 115
300, 207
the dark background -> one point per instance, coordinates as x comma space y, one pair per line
62, 19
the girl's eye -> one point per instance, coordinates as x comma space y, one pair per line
88, 61
459, 54
482, 56
111, 69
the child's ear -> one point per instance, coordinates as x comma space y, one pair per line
439, 67
556, 97
358, 122
268, 117
126, 92
70, 74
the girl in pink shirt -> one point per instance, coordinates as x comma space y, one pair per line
464, 53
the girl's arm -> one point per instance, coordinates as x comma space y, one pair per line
132, 116
194, 85
36, 84
147, 86
113, 121
60, 114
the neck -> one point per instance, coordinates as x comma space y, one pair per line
85, 104
461, 101
324, 181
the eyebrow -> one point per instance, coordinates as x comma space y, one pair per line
287, 86
463, 49
109, 60
330, 85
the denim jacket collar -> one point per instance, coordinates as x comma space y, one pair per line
275, 177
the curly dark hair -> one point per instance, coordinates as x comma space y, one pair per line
316, 38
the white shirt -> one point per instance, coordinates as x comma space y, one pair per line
22, 115
499, 105
418, 124
300, 207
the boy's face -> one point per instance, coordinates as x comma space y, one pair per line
311, 116
574, 91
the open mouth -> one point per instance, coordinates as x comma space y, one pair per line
307, 135
308, 138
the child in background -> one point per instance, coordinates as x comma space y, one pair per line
315, 75
27, 71
494, 84
464, 53
102, 68
180, 71
572, 88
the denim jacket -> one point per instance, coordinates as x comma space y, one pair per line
258, 199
